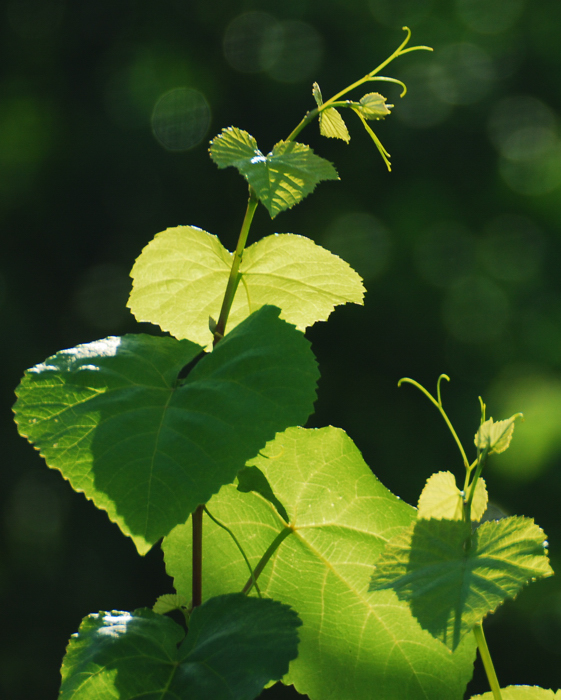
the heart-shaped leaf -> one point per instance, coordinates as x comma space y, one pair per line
187, 268
148, 448
442, 499
353, 644
235, 645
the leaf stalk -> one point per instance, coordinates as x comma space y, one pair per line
487, 661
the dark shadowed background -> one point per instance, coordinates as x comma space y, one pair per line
106, 110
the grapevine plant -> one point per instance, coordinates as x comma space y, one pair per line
291, 561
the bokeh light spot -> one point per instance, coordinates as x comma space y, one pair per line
300, 55
534, 176
475, 310
361, 240
421, 108
445, 253
397, 13
253, 42
536, 441
489, 16
180, 119
522, 127
512, 248
463, 74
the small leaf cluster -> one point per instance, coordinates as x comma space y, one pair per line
206, 424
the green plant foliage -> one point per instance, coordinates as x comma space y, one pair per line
168, 602
522, 692
452, 578
331, 123
442, 499
495, 436
353, 644
373, 106
235, 645
282, 178
187, 268
147, 448
253, 479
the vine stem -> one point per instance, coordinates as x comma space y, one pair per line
487, 662
234, 278
275, 544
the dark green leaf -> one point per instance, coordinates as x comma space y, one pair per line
282, 178
452, 579
112, 417
235, 645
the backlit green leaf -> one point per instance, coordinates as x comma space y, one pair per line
373, 106
234, 646
442, 499
353, 644
495, 437
180, 278
331, 124
281, 179
522, 692
147, 448
168, 602
453, 578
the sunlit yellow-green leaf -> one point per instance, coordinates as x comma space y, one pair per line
331, 124
373, 106
495, 436
352, 644
522, 692
180, 278
442, 499
168, 602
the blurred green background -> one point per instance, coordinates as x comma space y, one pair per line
106, 110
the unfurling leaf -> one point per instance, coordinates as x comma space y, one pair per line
235, 645
495, 437
373, 106
282, 178
453, 578
442, 499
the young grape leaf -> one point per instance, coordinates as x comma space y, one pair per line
522, 692
442, 499
281, 179
373, 106
234, 646
353, 644
147, 448
495, 437
169, 602
453, 578
331, 123
187, 268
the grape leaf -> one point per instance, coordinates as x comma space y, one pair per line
282, 178
353, 644
373, 106
235, 645
452, 581
442, 499
331, 123
522, 692
253, 479
147, 448
187, 268
169, 602
495, 437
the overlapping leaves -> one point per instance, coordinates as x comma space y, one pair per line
180, 278
148, 448
453, 578
234, 646
282, 178
353, 644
